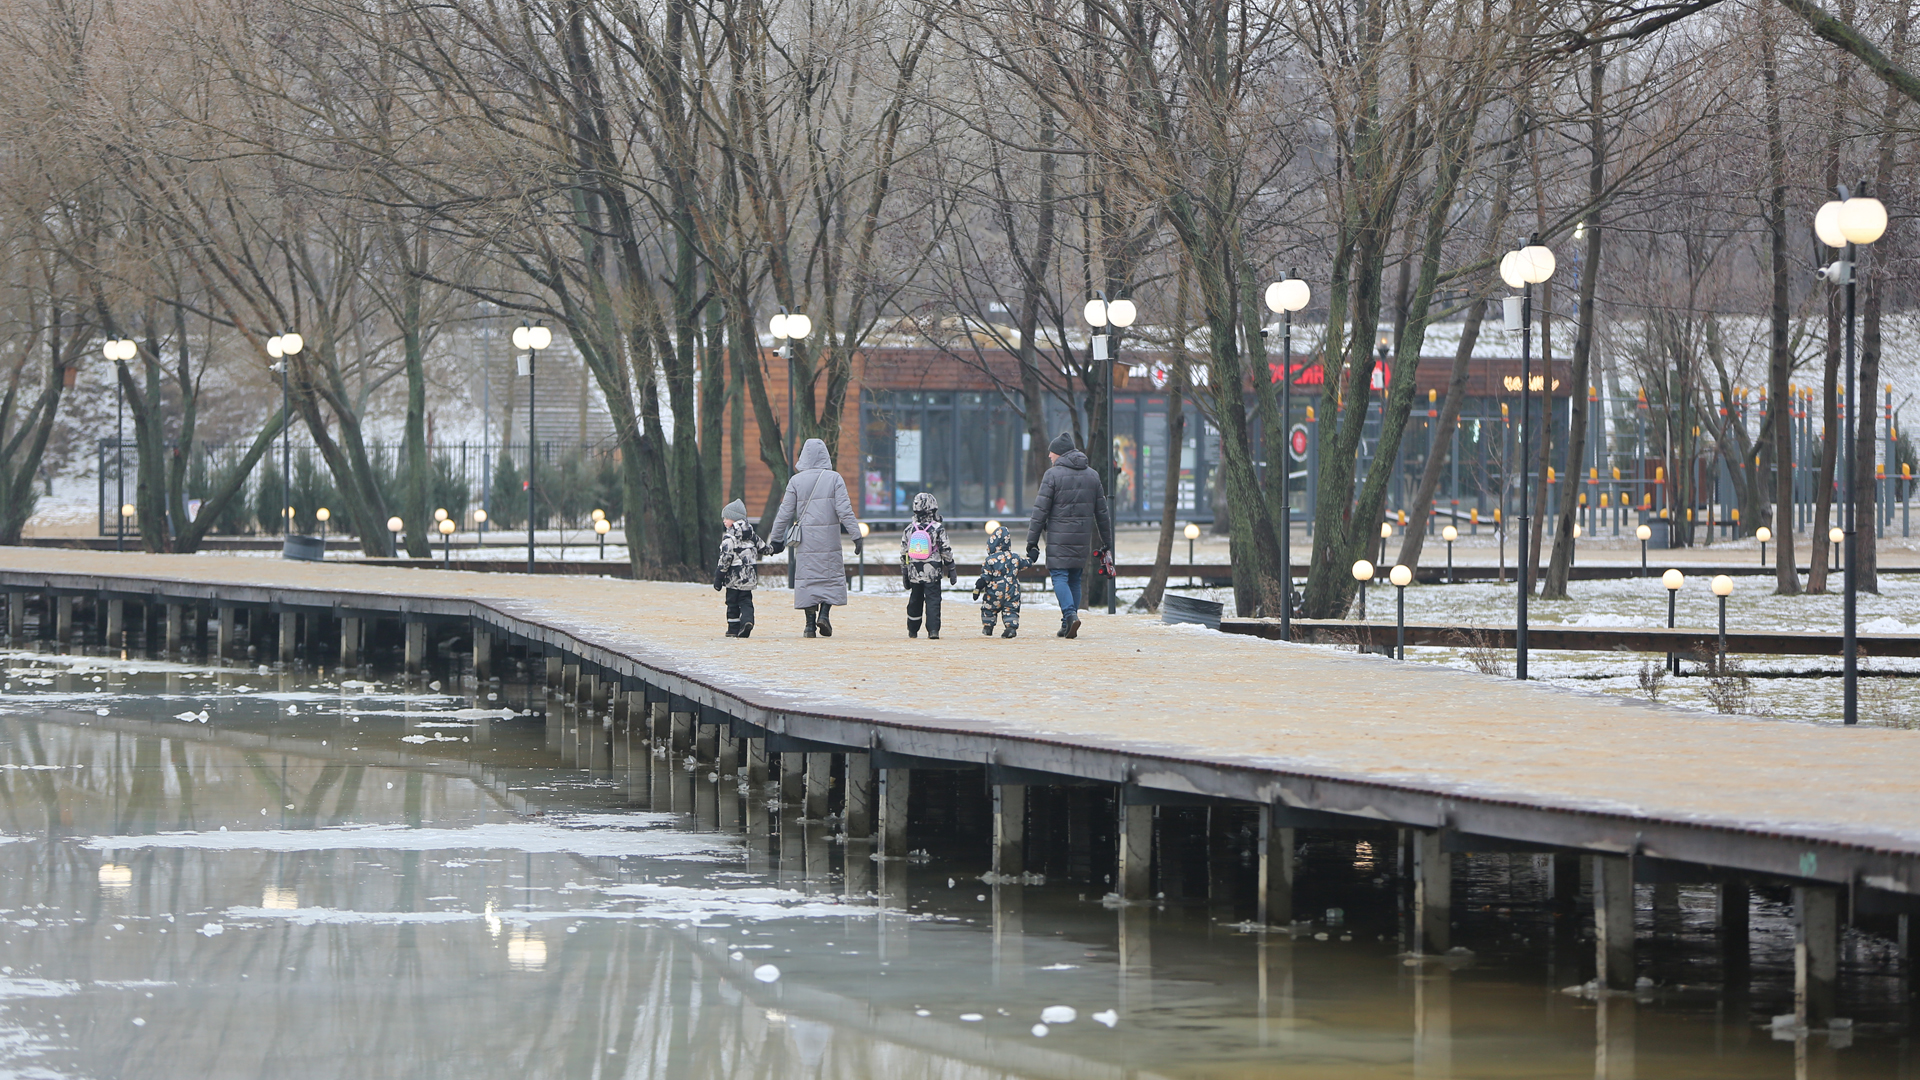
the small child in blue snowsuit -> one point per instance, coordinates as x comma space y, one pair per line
998, 587
740, 548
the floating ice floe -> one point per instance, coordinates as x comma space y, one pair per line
189, 717
767, 973
1058, 1014
528, 837
1107, 1017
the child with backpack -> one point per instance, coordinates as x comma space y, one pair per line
925, 556
740, 548
998, 586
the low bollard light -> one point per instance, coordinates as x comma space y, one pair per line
1835, 536
602, 527
1449, 534
1763, 534
860, 548
1401, 578
1363, 573
1722, 588
1672, 579
1192, 533
446, 539
1645, 533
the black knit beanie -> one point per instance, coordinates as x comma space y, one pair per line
1061, 443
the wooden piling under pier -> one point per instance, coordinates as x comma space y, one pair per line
1135, 715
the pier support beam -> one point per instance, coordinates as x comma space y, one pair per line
895, 785
706, 744
1009, 829
1613, 922
858, 811
728, 750
350, 633
1432, 893
289, 634
116, 623
482, 655
223, 634
416, 655
63, 620
569, 679
553, 670
792, 779
1134, 878
819, 781
1274, 905
1816, 953
587, 686
681, 744
16, 617
1734, 901
757, 770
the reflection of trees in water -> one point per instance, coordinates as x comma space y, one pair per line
490, 996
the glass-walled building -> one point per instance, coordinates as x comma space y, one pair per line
969, 448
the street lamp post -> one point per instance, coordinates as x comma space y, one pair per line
1363, 573
1523, 269
1284, 297
860, 549
118, 350
1850, 222
788, 328
1101, 312
280, 347
394, 525
530, 340
1401, 577
446, 542
1763, 534
1836, 536
601, 528
1722, 588
1450, 534
1672, 579
1192, 533
1644, 533
323, 515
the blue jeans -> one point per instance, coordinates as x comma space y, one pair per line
1068, 587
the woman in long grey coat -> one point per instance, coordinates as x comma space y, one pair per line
816, 500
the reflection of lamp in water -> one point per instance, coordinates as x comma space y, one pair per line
115, 876
275, 898
526, 951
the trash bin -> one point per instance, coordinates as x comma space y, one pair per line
304, 548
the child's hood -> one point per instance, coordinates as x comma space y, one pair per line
1000, 541
742, 530
926, 506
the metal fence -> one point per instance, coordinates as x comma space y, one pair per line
575, 478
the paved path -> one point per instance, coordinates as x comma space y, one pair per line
1470, 744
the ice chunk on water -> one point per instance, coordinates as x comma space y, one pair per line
1039, 1031
972, 1018
767, 973
1058, 1014
212, 929
1107, 1017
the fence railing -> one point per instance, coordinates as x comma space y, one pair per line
575, 478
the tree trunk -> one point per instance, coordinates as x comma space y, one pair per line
1558, 567
1176, 442
1779, 353
1414, 539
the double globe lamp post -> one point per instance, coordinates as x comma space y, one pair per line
1846, 224
280, 347
1284, 297
1523, 269
1101, 313
530, 340
119, 351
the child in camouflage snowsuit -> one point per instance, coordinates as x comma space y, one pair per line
740, 548
998, 587
925, 557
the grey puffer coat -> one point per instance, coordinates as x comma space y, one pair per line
816, 500
1070, 504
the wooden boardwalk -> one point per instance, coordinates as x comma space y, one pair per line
1167, 713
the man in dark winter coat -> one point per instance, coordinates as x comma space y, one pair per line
1070, 505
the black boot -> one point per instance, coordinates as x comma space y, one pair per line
733, 629
987, 629
913, 627
826, 628
933, 635
813, 615
746, 629
1008, 632
1065, 623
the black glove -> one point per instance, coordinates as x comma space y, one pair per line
719, 580
953, 574
776, 547
1033, 552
